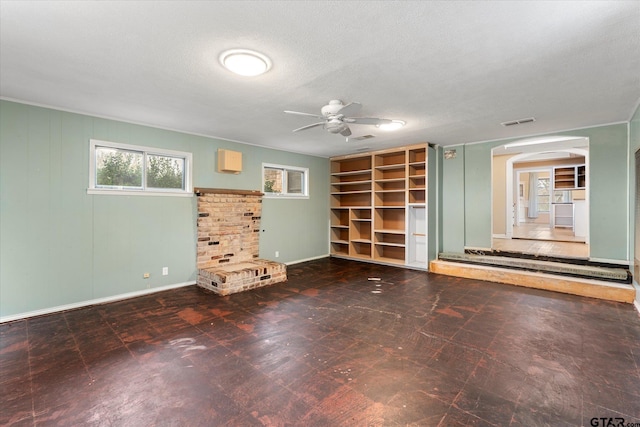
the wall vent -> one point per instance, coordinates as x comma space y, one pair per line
518, 122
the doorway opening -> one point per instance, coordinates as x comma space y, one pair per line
540, 197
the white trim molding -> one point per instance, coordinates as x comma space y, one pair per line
298, 261
96, 301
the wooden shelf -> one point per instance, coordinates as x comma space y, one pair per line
390, 239
393, 184
391, 180
398, 245
391, 254
368, 181
360, 214
340, 234
390, 167
388, 231
340, 248
356, 172
360, 249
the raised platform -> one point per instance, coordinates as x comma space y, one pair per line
232, 278
570, 267
584, 280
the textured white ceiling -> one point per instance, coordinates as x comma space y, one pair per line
452, 70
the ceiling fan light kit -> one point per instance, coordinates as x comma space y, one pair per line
245, 62
336, 117
394, 125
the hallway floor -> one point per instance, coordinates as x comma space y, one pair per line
542, 247
535, 231
328, 348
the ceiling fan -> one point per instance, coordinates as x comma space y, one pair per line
336, 118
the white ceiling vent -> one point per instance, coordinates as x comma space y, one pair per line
518, 122
362, 138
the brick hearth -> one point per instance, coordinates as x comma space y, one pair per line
228, 242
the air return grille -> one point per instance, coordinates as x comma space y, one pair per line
518, 122
361, 138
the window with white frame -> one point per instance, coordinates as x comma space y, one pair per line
131, 169
543, 194
285, 181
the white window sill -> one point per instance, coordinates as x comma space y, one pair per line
111, 192
283, 196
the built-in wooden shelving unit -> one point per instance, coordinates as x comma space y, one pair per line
370, 197
569, 177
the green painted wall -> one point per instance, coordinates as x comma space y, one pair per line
59, 245
467, 185
634, 145
432, 201
452, 201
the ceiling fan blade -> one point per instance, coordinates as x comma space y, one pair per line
366, 121
308, 126
304, 114
350, 109
346, 131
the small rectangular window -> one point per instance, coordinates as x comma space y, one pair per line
128, 169
285, 181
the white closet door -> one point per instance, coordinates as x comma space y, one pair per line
417, 236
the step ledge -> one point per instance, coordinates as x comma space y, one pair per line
570, 285
617, 275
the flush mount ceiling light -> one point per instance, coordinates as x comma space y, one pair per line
394, 125
245, 62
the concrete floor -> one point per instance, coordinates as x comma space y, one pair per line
328, 348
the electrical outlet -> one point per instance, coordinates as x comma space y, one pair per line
146, 275
277, 254
165, 271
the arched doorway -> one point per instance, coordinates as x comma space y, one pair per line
556, 187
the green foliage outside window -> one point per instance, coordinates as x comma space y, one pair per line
164, 172
123, 169
119, 168
268, 186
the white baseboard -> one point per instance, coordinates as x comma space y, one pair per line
636, 304
500, 236
610, 261
298, 261
92, 302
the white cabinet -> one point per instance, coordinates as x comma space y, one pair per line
569, 177
417, 256
580, 218
562, 215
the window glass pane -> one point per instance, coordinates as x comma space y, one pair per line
294, 182
118, 168
272, 180
165, 172
543, 194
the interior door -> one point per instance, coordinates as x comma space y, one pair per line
417, 236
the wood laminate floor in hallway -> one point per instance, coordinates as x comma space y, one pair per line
328, 348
